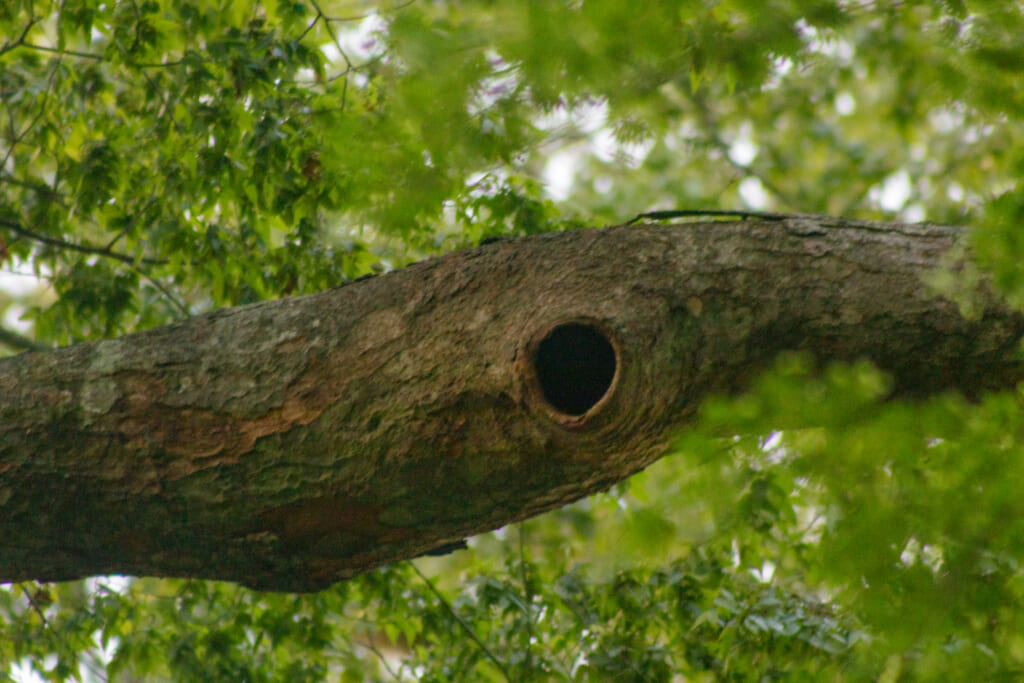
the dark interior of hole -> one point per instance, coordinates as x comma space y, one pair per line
575, 365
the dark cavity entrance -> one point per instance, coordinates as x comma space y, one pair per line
575, 367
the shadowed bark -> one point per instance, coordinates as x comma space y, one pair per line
289, 444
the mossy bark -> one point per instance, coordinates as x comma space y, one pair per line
289, 444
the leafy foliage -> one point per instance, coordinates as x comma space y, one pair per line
165, 157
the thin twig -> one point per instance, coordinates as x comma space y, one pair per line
20, 342
715, 138
358, 17
100, 58
65, 52
45, 191
334, 37
19, 229
101, 251
180, 305
18, 137
380, 657
469, 631
527, 597
706, 213
20, 40
311, 26
58, 637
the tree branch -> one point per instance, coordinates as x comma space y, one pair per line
289, 444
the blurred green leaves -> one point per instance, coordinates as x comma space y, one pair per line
907, 515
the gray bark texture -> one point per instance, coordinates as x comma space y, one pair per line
289, 444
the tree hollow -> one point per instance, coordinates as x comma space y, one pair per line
575, 365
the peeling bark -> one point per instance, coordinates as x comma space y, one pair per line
289, 444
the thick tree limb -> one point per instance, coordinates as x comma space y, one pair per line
293, 443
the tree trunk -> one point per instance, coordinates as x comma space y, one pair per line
289, 444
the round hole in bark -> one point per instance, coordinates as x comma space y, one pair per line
575, 365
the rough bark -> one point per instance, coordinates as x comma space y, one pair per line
289, 444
